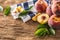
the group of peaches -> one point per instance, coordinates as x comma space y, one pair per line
48, 13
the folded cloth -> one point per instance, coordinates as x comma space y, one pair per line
25, 5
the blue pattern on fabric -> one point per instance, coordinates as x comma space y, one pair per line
48, 1
26, 5
31, 14
34, 1
19, 5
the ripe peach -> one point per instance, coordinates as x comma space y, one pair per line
56, 7
41, 5
43, 18
48, 11
54, 21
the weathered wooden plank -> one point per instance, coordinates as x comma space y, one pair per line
11, 29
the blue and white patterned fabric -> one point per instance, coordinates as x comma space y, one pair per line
25, 5
48, 1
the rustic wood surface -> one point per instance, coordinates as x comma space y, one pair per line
11, 29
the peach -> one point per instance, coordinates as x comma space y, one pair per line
48, 11
55, 1
35, 17
56, 7
43, 18
54, 21
41, 5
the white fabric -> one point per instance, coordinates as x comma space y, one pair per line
25, 18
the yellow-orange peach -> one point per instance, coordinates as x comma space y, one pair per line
54, 22
43, 18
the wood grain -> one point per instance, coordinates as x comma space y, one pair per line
11, 29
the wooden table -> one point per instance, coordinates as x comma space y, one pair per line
11, 29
